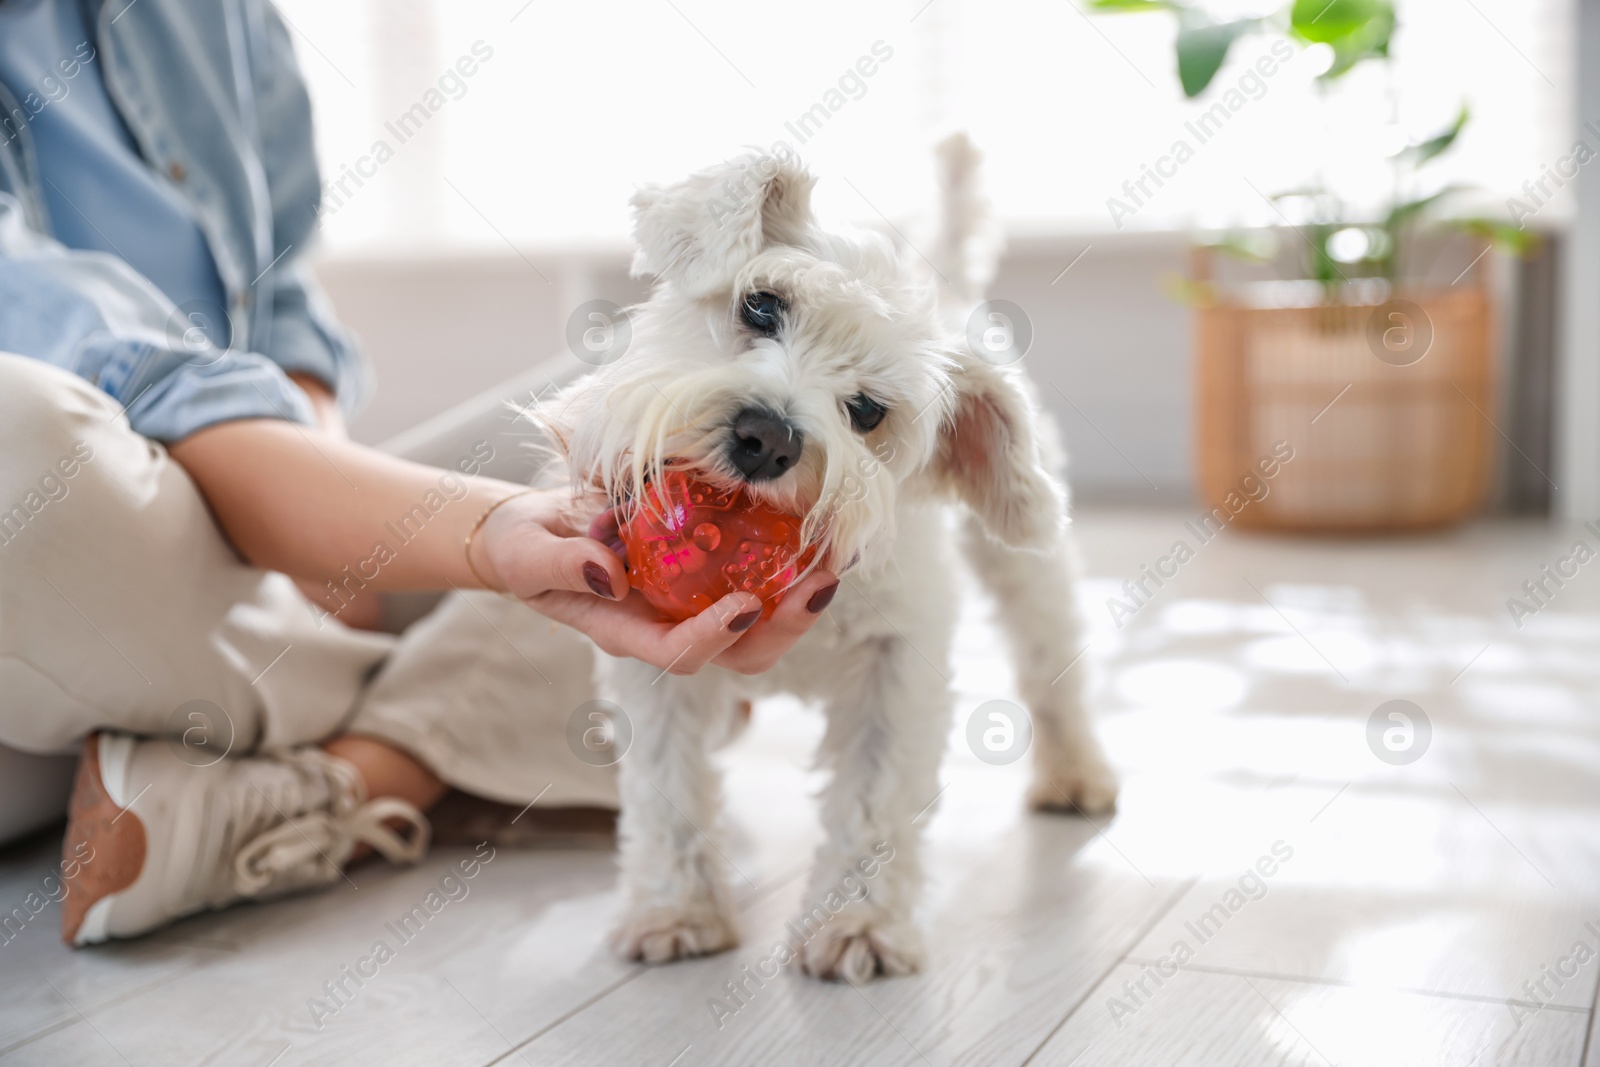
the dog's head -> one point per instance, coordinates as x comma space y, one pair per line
811, 365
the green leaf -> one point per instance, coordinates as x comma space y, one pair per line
1514, 239
1203, 46
1418, 154
1323, 268
1255, 246
1411, 210
1373, 44
1331, 21
1354, 29
1308, 192
1130, 5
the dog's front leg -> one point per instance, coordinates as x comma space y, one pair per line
673, 877
886, 733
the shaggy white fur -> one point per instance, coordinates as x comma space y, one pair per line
860, 317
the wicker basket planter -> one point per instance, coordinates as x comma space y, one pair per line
1386, 406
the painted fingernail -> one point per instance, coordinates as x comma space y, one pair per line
598, 579
821, 599
744, 620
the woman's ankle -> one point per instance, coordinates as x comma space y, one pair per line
387, 771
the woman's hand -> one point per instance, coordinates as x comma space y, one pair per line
263, 477
537, 548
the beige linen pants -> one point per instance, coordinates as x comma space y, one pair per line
121, 606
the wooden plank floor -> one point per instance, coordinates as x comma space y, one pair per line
1442, 911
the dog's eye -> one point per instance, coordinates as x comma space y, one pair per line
865, 412
761, 312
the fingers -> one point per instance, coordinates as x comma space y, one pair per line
606, 527
582, 581
574, 514
706, 636
631, 627
579, 571
802, 605
572, 564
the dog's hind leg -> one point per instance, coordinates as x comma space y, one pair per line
674, 874
1036, 608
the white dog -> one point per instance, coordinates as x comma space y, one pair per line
818, 368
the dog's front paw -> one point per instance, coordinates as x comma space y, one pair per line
857, 951
1082, 785
662, 934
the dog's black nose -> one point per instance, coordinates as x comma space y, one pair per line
764, 445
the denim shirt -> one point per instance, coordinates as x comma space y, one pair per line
211, 93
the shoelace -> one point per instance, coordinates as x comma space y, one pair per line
314, 846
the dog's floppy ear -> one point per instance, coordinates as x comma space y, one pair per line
990, 455
698, 232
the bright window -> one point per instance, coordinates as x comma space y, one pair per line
568, 106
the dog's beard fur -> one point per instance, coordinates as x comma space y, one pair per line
855, 324
861, 319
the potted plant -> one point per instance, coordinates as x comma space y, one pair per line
1378, 384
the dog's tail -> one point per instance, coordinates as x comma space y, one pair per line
967, 241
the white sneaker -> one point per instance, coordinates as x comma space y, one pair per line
152, 838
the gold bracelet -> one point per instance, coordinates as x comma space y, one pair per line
472, 533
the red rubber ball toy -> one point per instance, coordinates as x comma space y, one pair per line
691, 544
